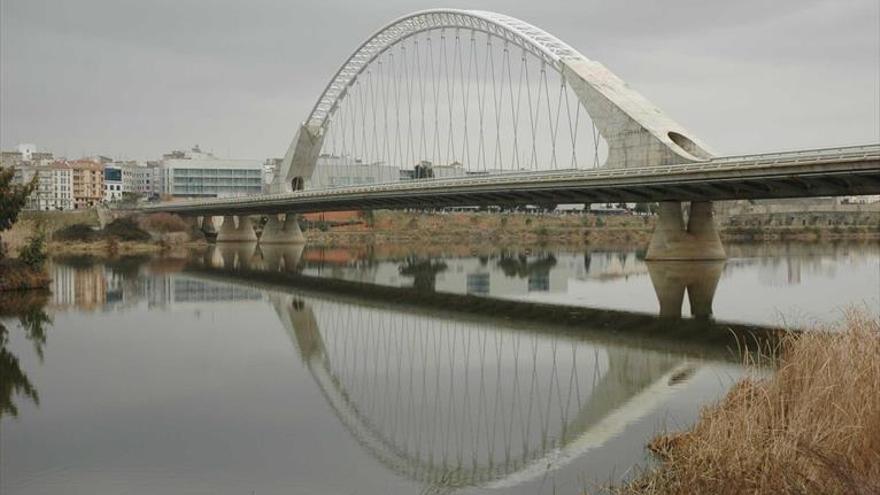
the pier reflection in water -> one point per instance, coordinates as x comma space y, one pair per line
370, 371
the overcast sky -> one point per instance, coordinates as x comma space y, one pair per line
134, 79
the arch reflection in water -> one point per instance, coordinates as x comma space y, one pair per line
454, 403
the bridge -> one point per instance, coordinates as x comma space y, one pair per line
475, 108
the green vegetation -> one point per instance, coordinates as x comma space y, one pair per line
126, 229
26, 272
811, 427
121, 229
77, 232
12, 199
33, 254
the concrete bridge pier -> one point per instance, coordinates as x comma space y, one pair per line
207, 225
288, 232
673, 242
243, 232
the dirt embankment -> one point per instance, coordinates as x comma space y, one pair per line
157, 239
575, 229
480, 228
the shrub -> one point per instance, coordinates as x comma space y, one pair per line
126, 229
369, 218
15, 274
33, 253
164, 223
76, 232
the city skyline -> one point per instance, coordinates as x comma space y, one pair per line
748, 78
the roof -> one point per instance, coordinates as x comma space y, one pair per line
213, 163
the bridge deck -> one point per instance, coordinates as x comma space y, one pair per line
824, 172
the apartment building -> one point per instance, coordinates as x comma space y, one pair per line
54, 186
88, 183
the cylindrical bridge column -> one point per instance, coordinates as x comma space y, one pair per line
276, 232
243, 232
671, 241
206, 223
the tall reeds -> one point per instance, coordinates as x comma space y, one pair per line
812, 426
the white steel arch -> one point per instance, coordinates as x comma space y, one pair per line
637, 132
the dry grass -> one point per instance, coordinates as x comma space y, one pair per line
811, 427
164, 223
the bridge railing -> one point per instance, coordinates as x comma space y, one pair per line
743, 162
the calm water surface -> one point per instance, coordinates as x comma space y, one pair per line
291, 370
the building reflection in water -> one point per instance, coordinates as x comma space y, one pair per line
78, 286
87, 285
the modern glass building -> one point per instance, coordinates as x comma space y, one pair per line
201, 174
337, 171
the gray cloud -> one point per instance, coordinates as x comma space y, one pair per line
134, 79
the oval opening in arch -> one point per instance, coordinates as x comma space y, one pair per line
686, 144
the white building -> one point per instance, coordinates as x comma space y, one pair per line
197, 174
425, 169
26, 150
54, 186
142, 179
113, 182
339, 171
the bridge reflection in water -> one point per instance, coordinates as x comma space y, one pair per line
451, 400
671, 279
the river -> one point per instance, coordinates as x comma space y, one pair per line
387, 369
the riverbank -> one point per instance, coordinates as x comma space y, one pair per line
382, 226
107, 245
813, 426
